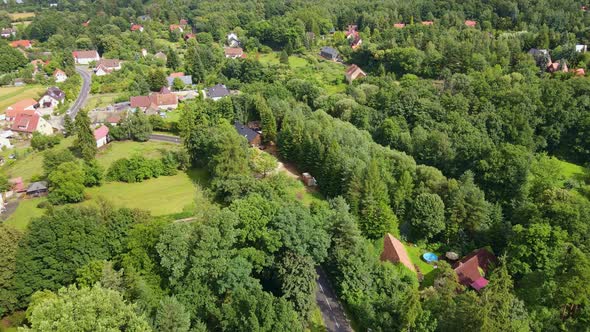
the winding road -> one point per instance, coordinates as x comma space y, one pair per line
332, 312
84, 91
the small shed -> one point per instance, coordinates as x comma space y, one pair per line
308, 180
394, 251
37, 189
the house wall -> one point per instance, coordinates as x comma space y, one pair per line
85, 61
47, 99
101, 142
60, 78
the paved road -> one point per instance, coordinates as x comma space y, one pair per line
83, 96
332, 312
165, 138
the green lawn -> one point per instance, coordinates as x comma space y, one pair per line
32, 164
11, 95
101, 100
125, 149
569, 170
26, 210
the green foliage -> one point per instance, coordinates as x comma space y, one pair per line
11, 59
69, 127
9, 240
73, 309
136, 126
67, 183
42, 142
171, 316
85, 142
157, 79
135, 169
53, 158
428, 219
267, 120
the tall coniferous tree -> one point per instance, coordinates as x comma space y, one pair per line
85, 136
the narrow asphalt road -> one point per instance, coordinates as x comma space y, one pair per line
83, 96
165, 138
332, 312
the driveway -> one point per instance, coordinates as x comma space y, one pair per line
84, 91
332, 312
165, 138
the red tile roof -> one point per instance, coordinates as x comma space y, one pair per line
174, 75
85, 54
21, 105
136, 27
233, 51
140, 101
470, 23
467, 269
395, 252
21, 43
17, 184
399, 25
26, 122
101, 132
175, 27
114, 119
427, 22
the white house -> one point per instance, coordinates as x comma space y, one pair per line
100, 135
581, 48
232, 40
53, 97
85, 57
59, 76
106, 66
8, 32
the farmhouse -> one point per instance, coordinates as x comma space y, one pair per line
353, 73
216, 92
155, 102
395, 252
101, 135
107, 66
52, 97
468, 268
234, 52
85, 57
13, 110
329, 53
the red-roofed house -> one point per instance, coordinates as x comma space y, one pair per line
427, 22
137, 27
468, 268
86, 24
155, 102
13, 110
175, 75
578, 72
29, 122
394, 251
399, 25
233, 52
100, 136
21, 43
183, 22
59, 76
85, 57
17, 185
353, 73
174, 27
107, 66
113, 120
470, 23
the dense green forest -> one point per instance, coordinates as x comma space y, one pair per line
454, 141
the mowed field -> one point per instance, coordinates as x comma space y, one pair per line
10, 95
21, 16
162, 196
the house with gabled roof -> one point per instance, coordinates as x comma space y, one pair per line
471, 270
155, 102
427, 23
216, 92
85, 57
399, 25
52, 97
101, 136
176, 27
395, 252
233, 40
185, 79
28, 104
353, 72
29, 122
106, 66
329, 53
234, 52
470, 23
59, 76
253, 137
8, 32
23, 43
136, 27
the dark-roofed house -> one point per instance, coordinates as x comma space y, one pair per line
395, 252
329, 53
252, 136
353, 73
542, 57
52, 97
37, 189
216, 92
469, 269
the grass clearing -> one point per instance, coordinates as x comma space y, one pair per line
101, 100
26, 210
316, 323
21, 16
126, 149
13, 94
570, 170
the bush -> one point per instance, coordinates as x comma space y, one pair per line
138, 168
42, 142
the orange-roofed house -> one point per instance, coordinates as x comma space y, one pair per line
233, 52
137, 27
21, 43
85, 57
155, 102
578, 72
174, 27
427, 23
59, 76
29, 122
399, 25
472, 268
353, 73
470, 23
13, 110
395, 252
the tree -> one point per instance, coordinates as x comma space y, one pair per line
262, 162
428, 215
93, 174
42, 142
296, 275
67, 183
177, 84
284, 58
85, 142
267, 120
193, 62
69, 127
84, 309
172, 60
53, 158
9, 240
171, 316
157, 79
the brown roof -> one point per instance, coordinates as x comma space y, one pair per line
395, 252
26, 122
85, 54
108, 63
140, 101
467, 269
155, 99
354, 68
174, 75
21, 105
233, 51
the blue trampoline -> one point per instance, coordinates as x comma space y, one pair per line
430, 257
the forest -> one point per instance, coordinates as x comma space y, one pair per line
456, 140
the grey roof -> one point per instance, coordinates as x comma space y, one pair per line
55, 93
186, 80
37, 186
329, 50
245, 131
20, 2
217, 91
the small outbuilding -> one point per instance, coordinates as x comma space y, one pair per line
308, 180
472, 268
37, 189
252, 136
394, 251
353, 72
100, 135
329, 53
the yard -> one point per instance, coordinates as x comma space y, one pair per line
101, 100
118, 150
21, 16
10, 95
26, 210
